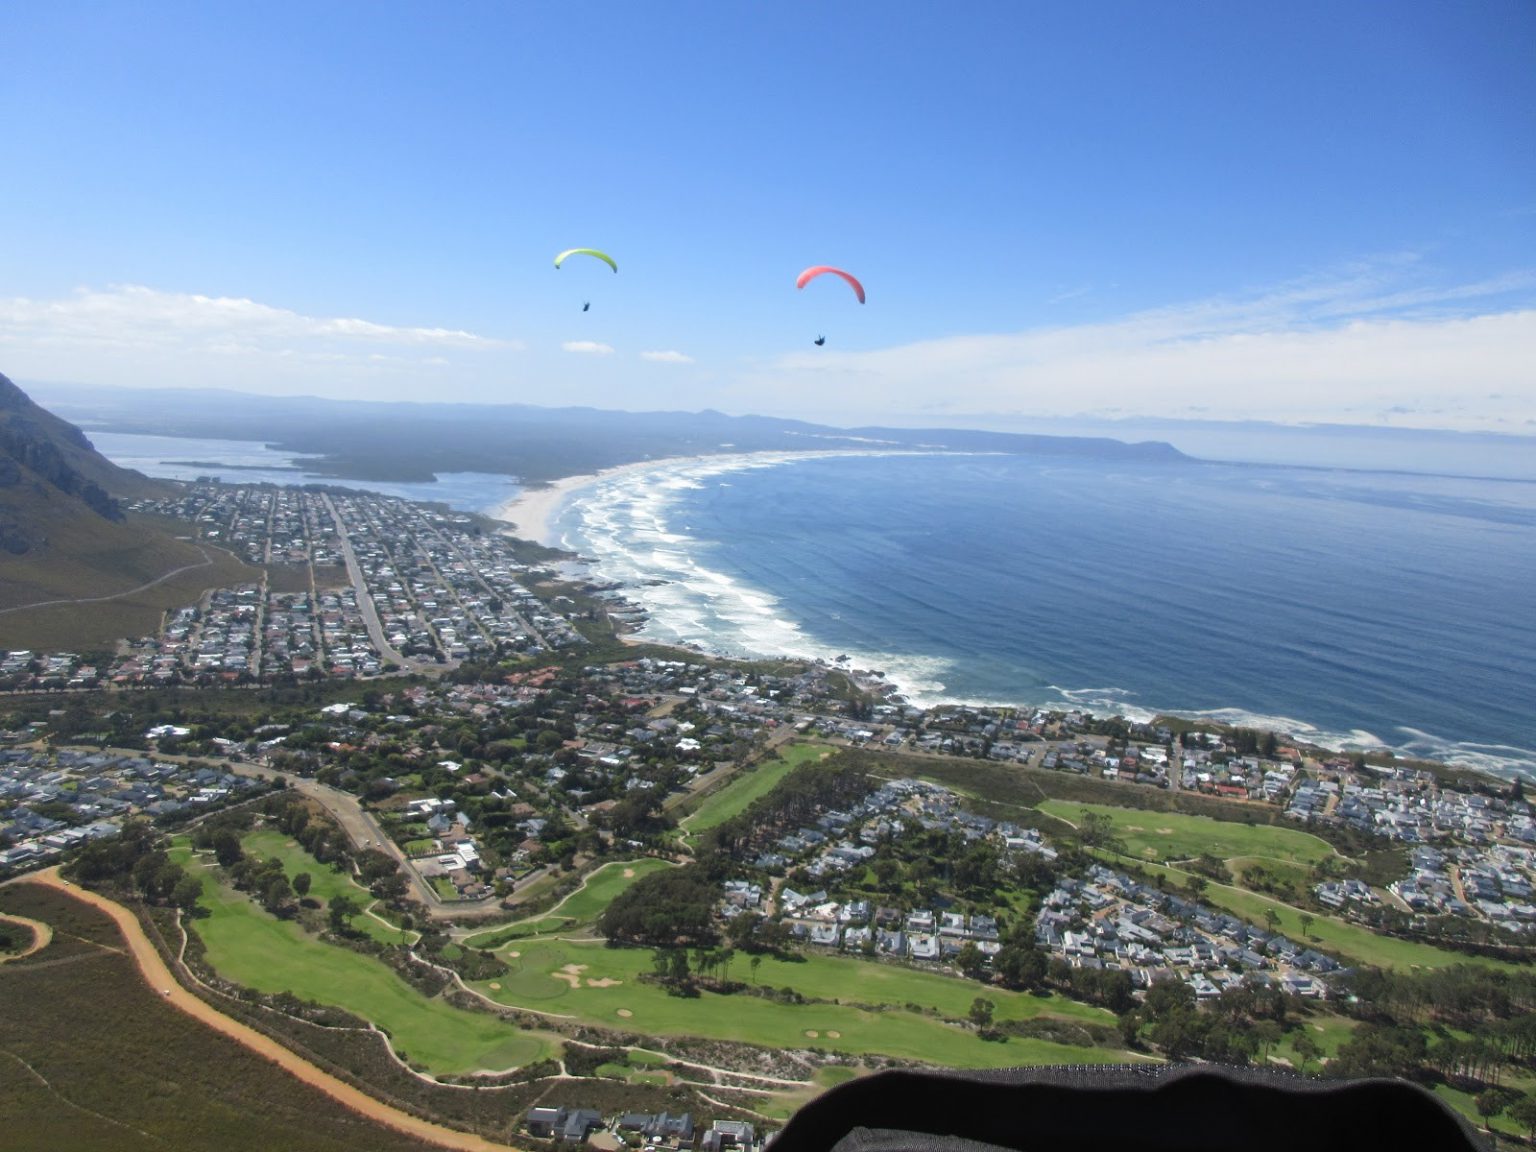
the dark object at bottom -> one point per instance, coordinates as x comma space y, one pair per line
1157, 1109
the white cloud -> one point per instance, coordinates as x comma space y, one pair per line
131, 334
1354, 349
667, 357
132, 312
590, 347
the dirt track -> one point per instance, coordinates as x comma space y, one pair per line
42, 936
154, 970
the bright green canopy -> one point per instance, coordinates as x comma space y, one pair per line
603, 256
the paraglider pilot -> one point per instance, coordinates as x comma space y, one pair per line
819, 341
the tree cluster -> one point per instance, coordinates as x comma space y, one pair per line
134, 862
1241, 1026
669, 909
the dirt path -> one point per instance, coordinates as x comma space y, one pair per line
115, 595
159, 977
42, 936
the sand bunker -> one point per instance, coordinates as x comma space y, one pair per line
834, 1035
628, 872
1165, 831
513, 955
571, 974
812, 1035
626, 1013
495, 987
605, 982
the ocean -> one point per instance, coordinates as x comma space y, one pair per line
1360, 609
1353, 609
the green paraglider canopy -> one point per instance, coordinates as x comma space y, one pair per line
593, 252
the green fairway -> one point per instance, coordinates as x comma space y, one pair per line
1351, 941
1165, 836
246, 945
599, 889
1328, 1030
594, 983
325, 884
579, 910
737, 796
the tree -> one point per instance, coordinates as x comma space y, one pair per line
1523, 1113
1492, 1101
981, 1012
301, 883
226, 847
1306, 1049
1307, 920
677, 968
756, 963
1020, 966
970, 961
186, 893
343, 908
1272, 918
277, 894
1266, 1034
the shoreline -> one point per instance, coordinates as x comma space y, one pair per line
533, 513
532, 510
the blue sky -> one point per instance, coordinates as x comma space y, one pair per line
1300, 212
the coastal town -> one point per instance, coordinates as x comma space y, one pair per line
469, 715
475, 805
360, 585
357, 585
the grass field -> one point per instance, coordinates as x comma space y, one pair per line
545, 974
735, 797
1328, 1030
1164, 836
579, 910
325, 885
246, 945
110, 570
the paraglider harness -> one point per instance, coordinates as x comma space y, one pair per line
1124, 1109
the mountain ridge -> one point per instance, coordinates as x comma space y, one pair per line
407, 440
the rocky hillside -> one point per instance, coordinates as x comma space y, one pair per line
50, 474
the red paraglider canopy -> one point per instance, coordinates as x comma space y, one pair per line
811, 273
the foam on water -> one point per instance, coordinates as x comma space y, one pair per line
905, 567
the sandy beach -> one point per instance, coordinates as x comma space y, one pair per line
532, 511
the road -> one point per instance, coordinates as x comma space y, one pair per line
359, 825
364, 597
365, 832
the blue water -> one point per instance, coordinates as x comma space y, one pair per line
252, 462
1354, 609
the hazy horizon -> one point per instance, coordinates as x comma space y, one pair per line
1494, 455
